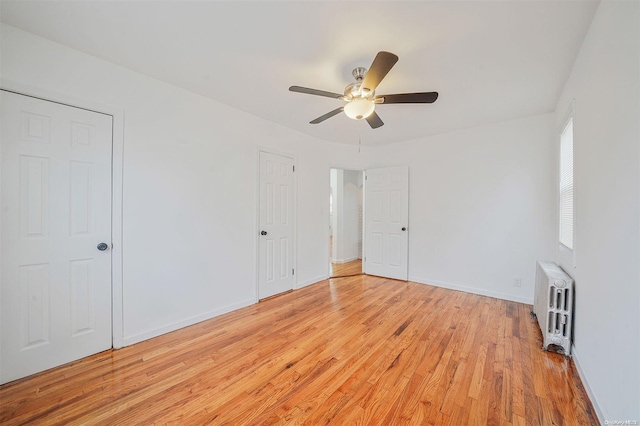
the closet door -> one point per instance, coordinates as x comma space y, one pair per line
56, 234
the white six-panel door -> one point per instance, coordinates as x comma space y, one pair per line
56, 209
276, 252
386, 222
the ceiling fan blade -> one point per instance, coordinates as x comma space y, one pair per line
327, 115
409, 98
374, 120
379, 68
314, 92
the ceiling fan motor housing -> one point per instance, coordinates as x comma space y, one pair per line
354, 90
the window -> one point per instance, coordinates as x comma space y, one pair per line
566, 185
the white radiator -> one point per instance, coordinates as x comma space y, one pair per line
553, 306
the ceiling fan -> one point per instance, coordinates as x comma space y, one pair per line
360, 96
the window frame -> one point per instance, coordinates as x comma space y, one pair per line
569, 121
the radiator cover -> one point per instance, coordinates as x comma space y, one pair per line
553, 305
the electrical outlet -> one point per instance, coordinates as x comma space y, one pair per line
517, 282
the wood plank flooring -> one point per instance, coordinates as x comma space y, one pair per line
346, 269
353, 351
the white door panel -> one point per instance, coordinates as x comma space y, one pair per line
56, 209
386, 222
276, 225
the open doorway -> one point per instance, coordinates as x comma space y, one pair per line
345, 222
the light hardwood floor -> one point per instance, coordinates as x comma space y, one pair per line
359, 350
346, 269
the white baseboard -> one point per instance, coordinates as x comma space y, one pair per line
305, 283
587, 386
350, 259
473, 290
137, 338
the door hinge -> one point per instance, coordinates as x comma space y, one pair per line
294, 168
293, 272
366, 177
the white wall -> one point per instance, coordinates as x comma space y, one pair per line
481, 206
335, 228
190, 182
360, 212
605, 85
346, 195
351, 194
347, 201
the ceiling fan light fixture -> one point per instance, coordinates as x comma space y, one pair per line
360, 95
358, 109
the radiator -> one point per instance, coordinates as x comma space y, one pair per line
553, 306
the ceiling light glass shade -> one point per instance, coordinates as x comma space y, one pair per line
358, 109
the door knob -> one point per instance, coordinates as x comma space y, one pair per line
102, 246
404, 229
263, 233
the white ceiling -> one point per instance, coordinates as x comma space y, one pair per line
490, 60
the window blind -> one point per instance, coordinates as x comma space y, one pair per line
566, 185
